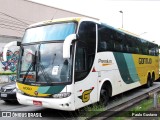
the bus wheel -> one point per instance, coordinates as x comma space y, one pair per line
149, 81
153, 79
104, 97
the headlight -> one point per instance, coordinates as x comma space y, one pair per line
61, 95
19, 91
14, 90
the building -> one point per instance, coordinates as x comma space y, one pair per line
16, 15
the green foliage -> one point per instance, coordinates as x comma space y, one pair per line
143, 106
91, 111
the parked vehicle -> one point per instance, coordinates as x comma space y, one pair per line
8, 92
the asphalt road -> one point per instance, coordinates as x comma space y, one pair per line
27, 112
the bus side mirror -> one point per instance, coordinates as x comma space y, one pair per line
5, 49
67, 44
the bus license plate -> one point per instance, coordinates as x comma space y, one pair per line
37, 103
3, 95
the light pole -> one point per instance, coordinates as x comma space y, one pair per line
122, 17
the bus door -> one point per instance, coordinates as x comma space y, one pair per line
85, 78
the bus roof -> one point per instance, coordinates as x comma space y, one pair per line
120, 30
128, 32
78, 19
57, 20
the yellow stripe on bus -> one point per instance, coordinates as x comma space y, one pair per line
30, 90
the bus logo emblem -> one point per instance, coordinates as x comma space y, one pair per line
36, 93
85, 97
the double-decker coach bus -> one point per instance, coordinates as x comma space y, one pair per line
70, 63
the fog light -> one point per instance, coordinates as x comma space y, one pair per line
67, 104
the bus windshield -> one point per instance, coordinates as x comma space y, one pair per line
58, 31
42, 54
44, 63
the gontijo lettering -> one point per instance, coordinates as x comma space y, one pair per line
145, 61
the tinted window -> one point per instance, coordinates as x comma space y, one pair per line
110, 39
85, 51
105, 39
87, 34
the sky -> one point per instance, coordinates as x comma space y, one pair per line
141, 17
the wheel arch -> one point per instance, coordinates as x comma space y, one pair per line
107, 84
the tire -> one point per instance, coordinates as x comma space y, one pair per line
149, 81
104, 97
153, 79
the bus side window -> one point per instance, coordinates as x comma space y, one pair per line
153, 49
105, 39
102, 46
157, 50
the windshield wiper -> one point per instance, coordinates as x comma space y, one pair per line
31, 65
39, 65
27, 72
43, 72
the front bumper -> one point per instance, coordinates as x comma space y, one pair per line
66, 104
